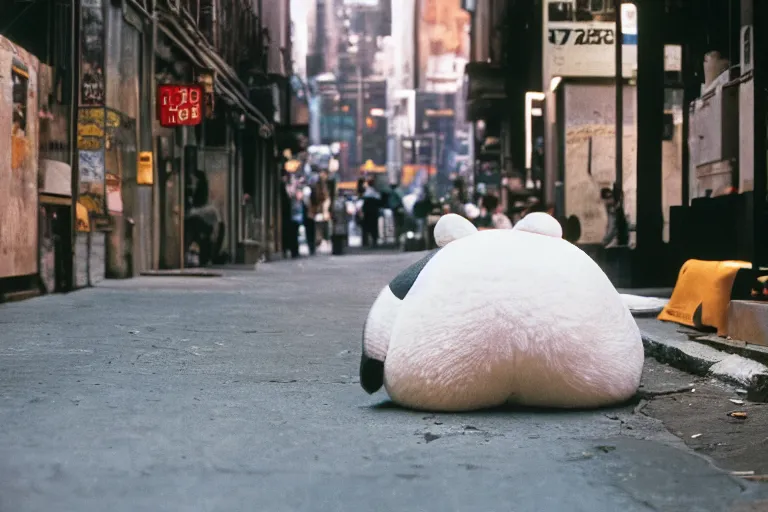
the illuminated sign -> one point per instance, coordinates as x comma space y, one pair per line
443, 112
179, 105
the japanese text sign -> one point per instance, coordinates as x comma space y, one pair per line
179, 105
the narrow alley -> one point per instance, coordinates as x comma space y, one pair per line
241, 393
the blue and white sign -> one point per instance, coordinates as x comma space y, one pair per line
629, 23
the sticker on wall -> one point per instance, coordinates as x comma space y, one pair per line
19, 140
90, 129
145, 171
114, 193
91, 166
92, 192
83, 221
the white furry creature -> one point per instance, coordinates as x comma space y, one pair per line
493, 317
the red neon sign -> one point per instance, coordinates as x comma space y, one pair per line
179, 105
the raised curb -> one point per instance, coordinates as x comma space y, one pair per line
665, 343
182, 273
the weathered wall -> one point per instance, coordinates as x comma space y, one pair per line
91, 125
590, 118
746, 136
18, 161
130, 220
90, 263
216, 163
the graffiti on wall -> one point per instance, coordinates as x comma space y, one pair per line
91, 131
92, 192
92, 60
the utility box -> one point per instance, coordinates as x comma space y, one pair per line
714, 140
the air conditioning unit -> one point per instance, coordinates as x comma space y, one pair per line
747, 49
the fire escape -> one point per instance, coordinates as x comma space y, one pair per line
224, 38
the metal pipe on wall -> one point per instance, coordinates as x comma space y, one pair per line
263, 162
619, 46
75, 171
759, 70
152, 85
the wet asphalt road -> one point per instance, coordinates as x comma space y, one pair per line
241, 394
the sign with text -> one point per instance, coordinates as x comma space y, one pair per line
586, 49
179, 105
580, 39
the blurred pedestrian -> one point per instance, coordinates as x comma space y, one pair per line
320, 207
340, 225
286, 204
371, 210
298, 217
499, 219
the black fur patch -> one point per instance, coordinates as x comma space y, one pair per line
402, 284
371, 374
372, 370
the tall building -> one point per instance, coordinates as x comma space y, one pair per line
431, 46
346, 62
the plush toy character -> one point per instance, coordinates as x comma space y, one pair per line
494, 317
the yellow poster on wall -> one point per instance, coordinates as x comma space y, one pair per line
83, 220
145, 171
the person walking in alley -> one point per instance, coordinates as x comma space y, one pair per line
286, 212
616, 231
310, 226
371, 209
298, 217
320, 207
340, 225
499, 219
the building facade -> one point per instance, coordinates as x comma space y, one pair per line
119, 194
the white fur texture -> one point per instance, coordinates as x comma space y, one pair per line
509, 316
452, 227
378, 325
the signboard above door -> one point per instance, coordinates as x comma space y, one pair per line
179, 105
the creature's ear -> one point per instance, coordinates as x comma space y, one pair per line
540, 223
451, 227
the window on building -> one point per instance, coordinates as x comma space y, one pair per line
560, 11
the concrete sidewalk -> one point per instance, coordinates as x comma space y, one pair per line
241, 393
696, 353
